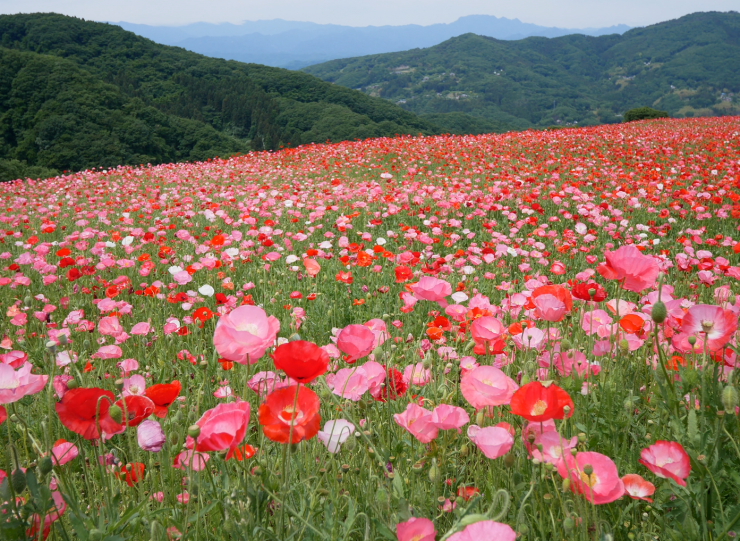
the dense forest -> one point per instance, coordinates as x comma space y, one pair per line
687, 67
76, 94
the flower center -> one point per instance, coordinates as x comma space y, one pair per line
289, 414
539, 408
589, 480
251, 328
707, 326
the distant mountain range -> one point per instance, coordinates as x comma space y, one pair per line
688, 67
293, 45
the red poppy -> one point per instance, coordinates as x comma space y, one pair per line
131, 473
218, 240
345, 277
467, 492
538, 403
631, 323
3, 415
73, 274
582, 291
135, 409
202, 315
220, 298
394, 386
303, 361
277, 413
111, 292
78, 408
243, 452
163, 395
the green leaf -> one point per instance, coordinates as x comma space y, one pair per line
383, 530
398, 485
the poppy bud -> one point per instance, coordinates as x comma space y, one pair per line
566, 484
427, 363
568, 524
691, 340
509, 460
119, 384
27, 300
115, 413
480, 417
433, 471
295, 337
62, 338
51, 346
581, 437
72, 384
464, 451
523, 529
659, 312
588, 469
729, 398
525, 379
95, 535
565, 344
86, 344
18, 480
624, 346
193, 431
45, 465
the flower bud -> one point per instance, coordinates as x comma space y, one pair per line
294, 337
566, 484
581, 437
193, 431
45, 465
509, 460
659, 312
18, 480
72, 384
480, 417
565, 344
464, 450
691, 340
729, 398
434, 472
115, 413
588, 469
568, 524
624, 346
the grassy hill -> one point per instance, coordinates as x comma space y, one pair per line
77, 94
687, 67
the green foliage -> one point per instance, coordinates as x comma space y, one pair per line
76, 94
644, 113
684, 66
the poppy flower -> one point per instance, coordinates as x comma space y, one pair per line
243, 452
135, 409
467, 492
393, 388
3, 415
356, 341
583, 292
131, 473
600, 485
487, 386
667, 459
628, 265
416, 529
243, 335
631, 323
493, 441
418, 422
537, 403
303, 361
15, 384
403, 274
202, 315
163, 395
559, 292
712, 324
223, 427
637, 488
278, 412
485, 530
77, 410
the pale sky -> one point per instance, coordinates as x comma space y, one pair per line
561, 13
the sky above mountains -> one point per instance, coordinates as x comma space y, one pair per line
562, 13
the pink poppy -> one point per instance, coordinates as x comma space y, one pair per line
190, 459
150, 436
263, 383
667, 459
335, 433
418, 421
60, 384
356, 341
432, 289
15, 384
446, 417
712, 324
350, 383
141, 328
375, 373
637, 488
628, 265
416, 374
416, 529
223, 427
135, 385
602, 485
63, 452
14, 358
530, 338
485, 530
493, 441
486, 329
110, 326
379, 329
595, 319
549, 308
487, 386
243, 335
554, 446
107, 352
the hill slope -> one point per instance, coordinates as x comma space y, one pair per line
291, 44
686, 66
76, 94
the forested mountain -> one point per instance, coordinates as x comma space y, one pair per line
77, 94
293, 45
687, 67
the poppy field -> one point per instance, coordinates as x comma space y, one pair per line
480, 338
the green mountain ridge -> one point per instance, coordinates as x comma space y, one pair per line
76, 94
686, 66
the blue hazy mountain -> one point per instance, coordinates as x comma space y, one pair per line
293, 44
